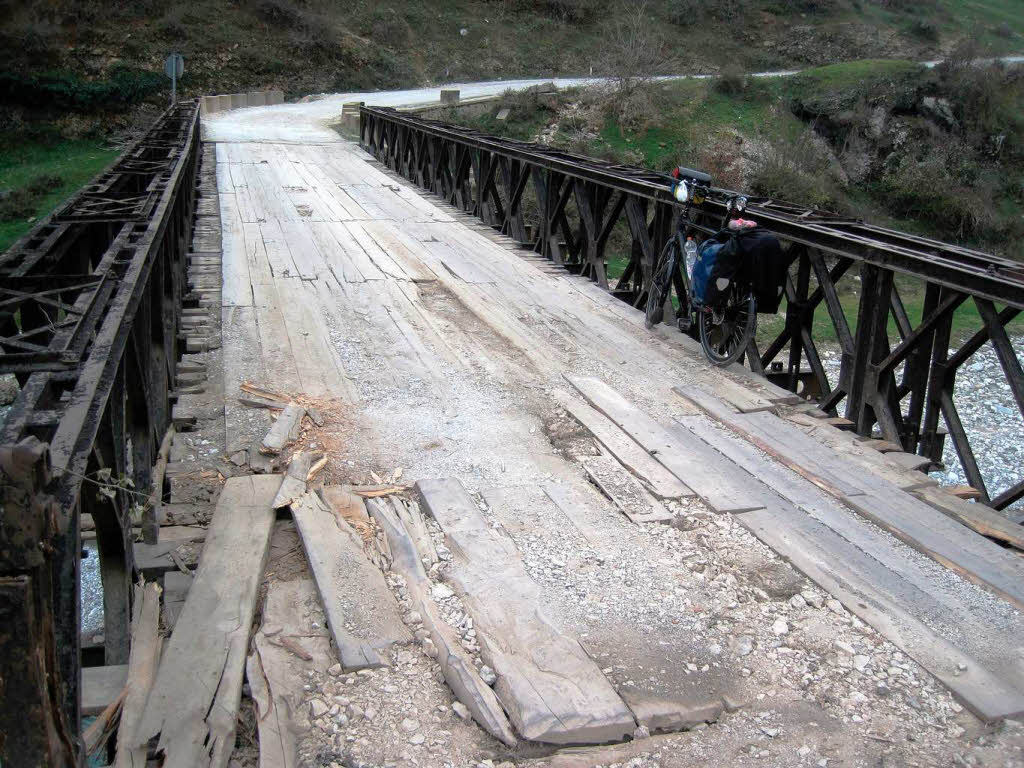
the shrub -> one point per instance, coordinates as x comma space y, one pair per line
731, 82
279, 13
925, 29
684, 13
44, 184
798, 172
68, 91
17, 205
385, 26
927, 190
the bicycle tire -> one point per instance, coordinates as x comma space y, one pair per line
724, 346
661, 284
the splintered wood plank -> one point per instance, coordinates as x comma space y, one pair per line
624, 490
143, 662
989, 685
978, 517
552, 690
193, 705
351, 588
785, 442
286, 649
284, 430
455, 663
701, 469
658, 480
294, 483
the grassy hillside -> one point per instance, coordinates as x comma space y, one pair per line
84, 55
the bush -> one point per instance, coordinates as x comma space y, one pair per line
279, 13
42, 185
17, 205
68, 91
798, 172
925, 29
385, 26
731, 82
684, 13
927, 190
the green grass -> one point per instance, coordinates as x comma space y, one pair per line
75, 162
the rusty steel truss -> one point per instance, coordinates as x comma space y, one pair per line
89, 312
581, 213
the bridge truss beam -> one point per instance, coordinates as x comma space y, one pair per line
579, 212
89, 314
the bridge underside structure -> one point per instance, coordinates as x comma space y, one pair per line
89, 309
578, 211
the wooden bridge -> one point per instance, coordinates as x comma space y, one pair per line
321, 420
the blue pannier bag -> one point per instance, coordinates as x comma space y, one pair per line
707, 256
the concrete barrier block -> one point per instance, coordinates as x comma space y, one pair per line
209, 105
224, 100
449, 96
275, 97
257, 98
237, 100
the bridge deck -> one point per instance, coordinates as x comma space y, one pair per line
431, 344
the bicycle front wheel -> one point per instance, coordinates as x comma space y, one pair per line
661, 283
725, 333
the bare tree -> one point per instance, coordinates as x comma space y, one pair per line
633, 52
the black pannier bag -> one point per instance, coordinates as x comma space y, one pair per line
752, 254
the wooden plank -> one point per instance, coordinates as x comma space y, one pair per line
286, 650
909, 461
294, 484
552, 690
352, 589
194, 702
456, 664
975, 516
742, 398
662, 483
284, 429
102, 685
242, 356
991, 688
784, 442
624, 490
579, 514
143, 661
703, 471
945, 541
176, 587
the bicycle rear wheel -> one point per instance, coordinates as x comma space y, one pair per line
661, 284
725, 333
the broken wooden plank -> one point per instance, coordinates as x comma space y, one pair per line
194, 702
282, 431
632, 456
294, 483
143, 661
577, 513
352, 589
412, 520
102, 685
625, 491
552, 690
456, 665
701, 470
286, 649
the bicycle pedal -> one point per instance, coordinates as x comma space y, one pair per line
684, 324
